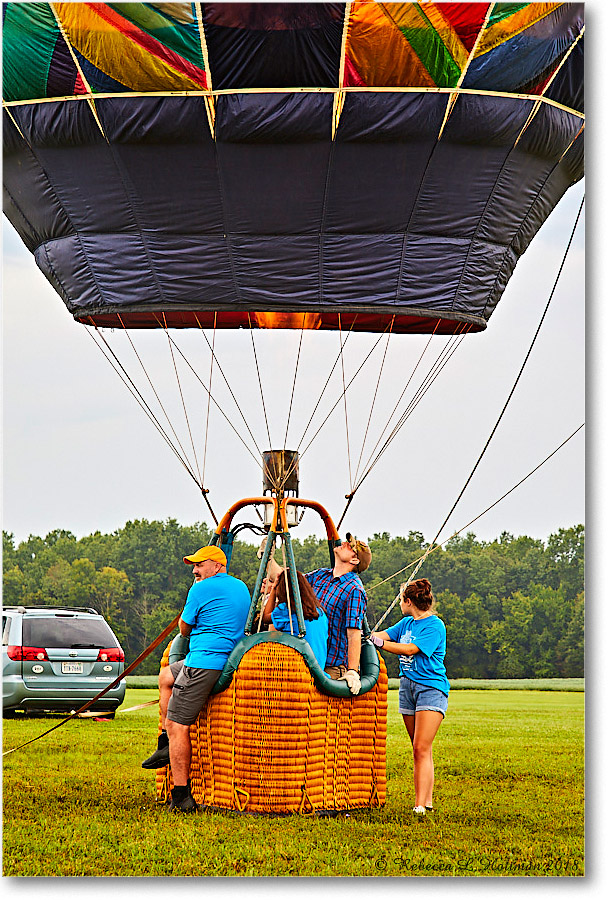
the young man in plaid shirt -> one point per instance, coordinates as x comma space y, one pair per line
342, 597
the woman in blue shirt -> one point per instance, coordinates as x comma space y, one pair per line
419, 639
315, 620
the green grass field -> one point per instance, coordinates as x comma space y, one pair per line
509, 800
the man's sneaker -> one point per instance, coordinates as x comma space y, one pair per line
186, 805
159, 758
419, 811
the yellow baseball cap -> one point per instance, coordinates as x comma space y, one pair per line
210, 552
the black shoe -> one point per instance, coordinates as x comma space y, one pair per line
159, 758
186, 805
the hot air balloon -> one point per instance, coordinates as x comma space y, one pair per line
359, 166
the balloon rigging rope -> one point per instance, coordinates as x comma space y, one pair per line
371, 412
181, 394
166, 415
350, 476
379, 338
442, 360
209, 396
523, 365
295, 375
257, 368
382, 433
217, 362
432, 547
204, 386
130, 385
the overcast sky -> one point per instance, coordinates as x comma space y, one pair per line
80, 454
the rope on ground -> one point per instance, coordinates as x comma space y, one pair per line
432, 547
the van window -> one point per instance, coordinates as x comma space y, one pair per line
63, 631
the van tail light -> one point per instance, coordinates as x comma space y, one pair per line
112, 654
28, 653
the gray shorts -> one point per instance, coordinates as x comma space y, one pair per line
191, 691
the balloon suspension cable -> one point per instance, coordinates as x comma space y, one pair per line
371, 412
437, 367
205, 492
523, 365
350, 474
126, 379
432, 547
209, 399
154, 391
213, 400
293, 388
217, 362
336, 361
181, 394
440, 362
257, 368
337, 403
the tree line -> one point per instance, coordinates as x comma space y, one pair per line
513, 607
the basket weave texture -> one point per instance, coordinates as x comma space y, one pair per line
273, 743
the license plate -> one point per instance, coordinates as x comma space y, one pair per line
71, 668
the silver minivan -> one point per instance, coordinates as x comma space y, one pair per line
58, 658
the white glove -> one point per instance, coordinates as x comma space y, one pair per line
353, 681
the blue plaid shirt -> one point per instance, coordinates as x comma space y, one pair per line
344, 602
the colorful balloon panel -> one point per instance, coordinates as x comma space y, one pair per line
364, 166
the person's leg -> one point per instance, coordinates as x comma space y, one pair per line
180, 751
426, 726
409, 722
166, 680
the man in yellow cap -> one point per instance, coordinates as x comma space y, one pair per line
214, 619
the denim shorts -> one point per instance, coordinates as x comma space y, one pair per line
414, 697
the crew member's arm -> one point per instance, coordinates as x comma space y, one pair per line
353, 636
381, 639
184, 628
271, 602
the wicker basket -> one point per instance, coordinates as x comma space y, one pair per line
271, 742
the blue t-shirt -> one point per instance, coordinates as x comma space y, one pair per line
316, 630
217, 609
426, 666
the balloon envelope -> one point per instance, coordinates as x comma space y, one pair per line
326, 165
